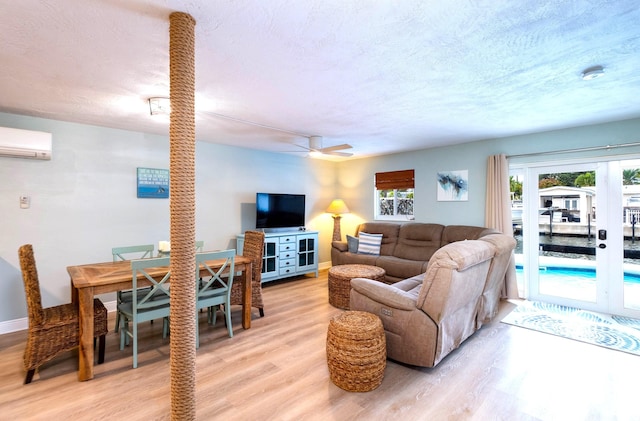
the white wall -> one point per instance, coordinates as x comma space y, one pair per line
83, 201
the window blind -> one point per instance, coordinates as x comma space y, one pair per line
395, 180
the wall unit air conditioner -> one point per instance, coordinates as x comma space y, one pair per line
17, 143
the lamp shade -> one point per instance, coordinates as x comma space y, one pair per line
337, 207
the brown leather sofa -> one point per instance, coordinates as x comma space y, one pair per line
427, 316
406, 247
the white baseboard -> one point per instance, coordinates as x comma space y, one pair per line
23, 323
324, 266
14, 325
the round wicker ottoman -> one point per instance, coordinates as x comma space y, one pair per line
340, 281
356, 351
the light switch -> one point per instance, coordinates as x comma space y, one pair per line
25, 202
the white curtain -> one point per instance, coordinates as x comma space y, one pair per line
498, 212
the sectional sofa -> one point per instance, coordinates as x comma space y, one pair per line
453, 285
406, 247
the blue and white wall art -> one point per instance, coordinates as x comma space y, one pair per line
453, 185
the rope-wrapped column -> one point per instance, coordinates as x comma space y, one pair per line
182, 206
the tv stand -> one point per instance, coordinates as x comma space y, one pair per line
286, 254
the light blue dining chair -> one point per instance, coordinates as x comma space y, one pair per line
138, 252
147, 303
214, 285
128, 253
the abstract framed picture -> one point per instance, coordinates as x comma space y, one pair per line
153, 183
453, 186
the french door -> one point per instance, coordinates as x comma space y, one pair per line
578, 242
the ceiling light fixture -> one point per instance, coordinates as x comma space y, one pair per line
159, 106
593, 73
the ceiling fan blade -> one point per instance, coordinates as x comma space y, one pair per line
336, 148
306, 148
337, 153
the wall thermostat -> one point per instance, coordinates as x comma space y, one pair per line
25, 202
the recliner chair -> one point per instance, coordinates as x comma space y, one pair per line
428, 316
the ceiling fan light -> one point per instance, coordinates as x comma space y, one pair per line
593, 73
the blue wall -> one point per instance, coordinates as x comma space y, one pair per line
83, 201
355, 178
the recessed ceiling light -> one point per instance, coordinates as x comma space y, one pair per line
592, 73
159, 106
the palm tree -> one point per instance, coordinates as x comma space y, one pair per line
516, 187
631, 176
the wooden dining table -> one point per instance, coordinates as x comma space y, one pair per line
92, 279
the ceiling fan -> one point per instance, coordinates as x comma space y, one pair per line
315, 146
162, 105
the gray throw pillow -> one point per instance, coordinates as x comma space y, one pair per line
352, 244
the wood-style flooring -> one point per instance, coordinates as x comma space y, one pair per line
277, 371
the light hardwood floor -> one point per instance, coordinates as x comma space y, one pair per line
277, 371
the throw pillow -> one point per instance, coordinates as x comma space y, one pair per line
352, 243
369, 243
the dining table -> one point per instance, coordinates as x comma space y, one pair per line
89, 280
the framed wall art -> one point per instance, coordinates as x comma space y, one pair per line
453, 185
153, 183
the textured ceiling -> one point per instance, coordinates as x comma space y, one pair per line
384, 76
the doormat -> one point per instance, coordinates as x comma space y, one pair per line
614, 332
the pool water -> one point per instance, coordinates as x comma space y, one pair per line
577, 282
568, 274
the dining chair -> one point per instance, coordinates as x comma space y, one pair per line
128, 253
253, 248
138, 252
213, 287
147, 303
53, 330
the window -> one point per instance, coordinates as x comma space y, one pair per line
571, 204
394, 195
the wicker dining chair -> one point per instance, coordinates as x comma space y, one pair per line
253, 248
53, 330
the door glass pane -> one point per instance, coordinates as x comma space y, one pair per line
631, 231
566, 229
516, 180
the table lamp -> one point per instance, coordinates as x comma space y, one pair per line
337, 208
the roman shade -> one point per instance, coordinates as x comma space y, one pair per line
395, 180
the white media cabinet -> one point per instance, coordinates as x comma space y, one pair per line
287, 254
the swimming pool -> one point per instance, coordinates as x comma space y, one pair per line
575, 279
558, 273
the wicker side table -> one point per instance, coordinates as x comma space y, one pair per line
340, 281
356, 351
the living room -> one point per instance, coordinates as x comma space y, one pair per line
75, 207
88, 188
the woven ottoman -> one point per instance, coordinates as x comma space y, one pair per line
356, 351
340, 281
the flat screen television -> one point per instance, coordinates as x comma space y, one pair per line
278, 210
